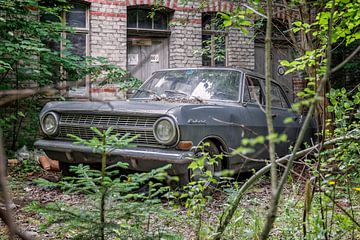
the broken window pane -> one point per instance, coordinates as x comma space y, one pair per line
76, 17
78, 44
160, 21
132, 18
206, 50
145, 21
214, 40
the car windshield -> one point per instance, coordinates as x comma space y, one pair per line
201, 84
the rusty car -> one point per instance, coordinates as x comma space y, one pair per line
173, 111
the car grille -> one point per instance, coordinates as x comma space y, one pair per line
79, 125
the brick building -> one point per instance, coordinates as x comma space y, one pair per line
177, 35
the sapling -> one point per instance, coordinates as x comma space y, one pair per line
113, 205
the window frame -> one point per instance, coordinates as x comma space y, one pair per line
137, 28
77, 30
246, 85
261, 81
213, 33
283, 96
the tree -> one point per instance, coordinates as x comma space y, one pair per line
331, 25
35, 56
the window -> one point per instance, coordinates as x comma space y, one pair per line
205, 84
214, 39
254, 94
277, 97
252, 91
77, 17
142, 18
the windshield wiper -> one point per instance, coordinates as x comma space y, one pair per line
198, 99
157, 97
184, 93
177, 91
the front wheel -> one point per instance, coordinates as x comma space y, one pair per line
65, 169
212, 151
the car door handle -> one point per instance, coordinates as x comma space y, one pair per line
273, 115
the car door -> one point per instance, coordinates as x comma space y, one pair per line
284, 119
253, 114
254, 99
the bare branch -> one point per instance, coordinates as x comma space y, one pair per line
353, 54
229, 212
255, 11
7, 96
324, 80
6, 215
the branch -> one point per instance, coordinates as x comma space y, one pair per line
6, 215
7, 96
271, 216
255, 11
275, 201
229, 212
338, 67
291, 33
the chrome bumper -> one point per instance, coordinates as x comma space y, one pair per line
146, 154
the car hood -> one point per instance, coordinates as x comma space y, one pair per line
113, 107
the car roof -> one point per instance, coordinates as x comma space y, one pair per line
246, 71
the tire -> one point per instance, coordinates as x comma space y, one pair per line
212, 150
65, 169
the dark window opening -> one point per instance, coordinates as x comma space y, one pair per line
280, 30
214, 38
143, 18
74, 41
76, 16
78, 43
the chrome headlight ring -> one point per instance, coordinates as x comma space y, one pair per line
50, 123
165, 131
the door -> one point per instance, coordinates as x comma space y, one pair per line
255, 114
281, 111
278, 53
147, 55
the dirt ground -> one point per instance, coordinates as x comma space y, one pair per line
24, 191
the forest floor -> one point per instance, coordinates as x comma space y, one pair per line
24, 191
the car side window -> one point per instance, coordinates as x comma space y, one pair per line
252, 91
277, 97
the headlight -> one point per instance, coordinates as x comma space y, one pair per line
49, 123
165, 131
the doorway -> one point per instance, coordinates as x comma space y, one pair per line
147, 55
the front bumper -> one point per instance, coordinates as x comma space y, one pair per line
140, 159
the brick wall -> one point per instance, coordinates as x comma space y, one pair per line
108, 32
186, 38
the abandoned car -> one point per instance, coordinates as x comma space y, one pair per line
171, 112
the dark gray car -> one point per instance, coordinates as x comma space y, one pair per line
171, 112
